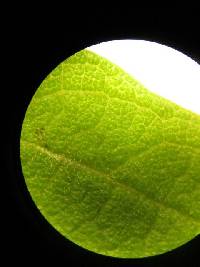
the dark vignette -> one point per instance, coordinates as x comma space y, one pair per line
35, 43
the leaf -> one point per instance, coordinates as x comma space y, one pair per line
112, 166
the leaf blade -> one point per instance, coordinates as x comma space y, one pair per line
105, 122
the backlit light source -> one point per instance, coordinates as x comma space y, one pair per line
163, 70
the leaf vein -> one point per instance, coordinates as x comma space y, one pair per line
109, 178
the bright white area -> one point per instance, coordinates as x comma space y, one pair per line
161, 69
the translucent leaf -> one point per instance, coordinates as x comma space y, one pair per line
112, 166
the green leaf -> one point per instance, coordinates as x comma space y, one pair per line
112, 166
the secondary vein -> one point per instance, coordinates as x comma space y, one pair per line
80, 165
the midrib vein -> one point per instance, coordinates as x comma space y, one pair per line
109, 178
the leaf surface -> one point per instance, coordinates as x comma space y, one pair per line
112, 166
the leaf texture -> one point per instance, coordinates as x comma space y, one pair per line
112, 166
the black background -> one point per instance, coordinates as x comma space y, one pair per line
35, 41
